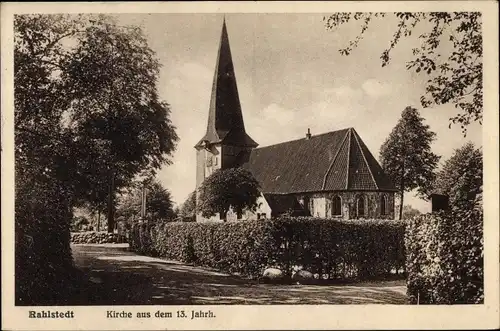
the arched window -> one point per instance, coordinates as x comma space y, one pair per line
383, 205
336, 206
360, 204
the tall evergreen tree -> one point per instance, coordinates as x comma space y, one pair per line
406, 155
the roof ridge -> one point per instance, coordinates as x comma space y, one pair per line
314, 136
364, 158
334, 159
348, 161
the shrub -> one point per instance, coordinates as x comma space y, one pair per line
42, 242
93, 237
445, 258
225, 189
333, 248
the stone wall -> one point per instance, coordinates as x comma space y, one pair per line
320, 204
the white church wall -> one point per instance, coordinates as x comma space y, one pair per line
319, 206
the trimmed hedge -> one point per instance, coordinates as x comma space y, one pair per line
93, 237
335, 249
43, 261
445, 258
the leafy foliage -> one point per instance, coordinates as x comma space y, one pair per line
187, 211
406, 155
461, 177
87, 115
86, 104
445, 258
93, 237
409, 212
43, 261
158, 203
79, 223
332, 248
228, 188
449, 53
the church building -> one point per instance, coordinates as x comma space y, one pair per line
328, 175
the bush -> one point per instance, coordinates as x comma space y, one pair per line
43, 260
445, 258
79, 223
333, 248
93, 237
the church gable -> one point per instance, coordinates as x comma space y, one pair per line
359, 175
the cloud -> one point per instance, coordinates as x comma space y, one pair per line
341, 92
275, 124
375, 88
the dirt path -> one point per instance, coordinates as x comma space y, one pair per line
114, 276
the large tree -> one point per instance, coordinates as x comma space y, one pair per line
448, 52
234, 188
87, 120
159, 204
187, 211
406, 155
461, 177
88, 86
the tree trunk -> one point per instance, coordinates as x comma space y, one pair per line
401, 206
402, 188
111, 214
98, 220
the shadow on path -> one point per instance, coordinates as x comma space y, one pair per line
113, 276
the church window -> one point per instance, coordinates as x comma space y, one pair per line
337, 206
383, 207
311, 206
360, 204
308, 205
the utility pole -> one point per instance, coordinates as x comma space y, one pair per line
111, 214
143, 202
98, 220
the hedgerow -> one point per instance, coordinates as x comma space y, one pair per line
331, 248
445, 258
94, 237
43, 260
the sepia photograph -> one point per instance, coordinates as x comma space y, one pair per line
225, 158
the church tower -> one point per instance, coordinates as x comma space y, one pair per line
225, 143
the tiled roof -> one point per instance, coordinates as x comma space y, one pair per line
280, 203
337, 160
225, 120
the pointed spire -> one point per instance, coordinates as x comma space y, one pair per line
225, 119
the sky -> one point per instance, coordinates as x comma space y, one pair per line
290, 77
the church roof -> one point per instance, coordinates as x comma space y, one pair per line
280, 203
225, 119
337, 160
